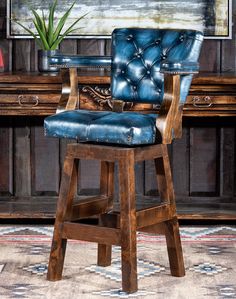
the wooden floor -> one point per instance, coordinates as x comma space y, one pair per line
44, 208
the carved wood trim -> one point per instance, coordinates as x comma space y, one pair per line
102, 97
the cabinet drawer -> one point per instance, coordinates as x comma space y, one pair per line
207, 104
28, 102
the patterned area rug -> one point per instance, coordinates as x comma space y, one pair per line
209, 253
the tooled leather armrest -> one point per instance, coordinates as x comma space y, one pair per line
179, 67
77, 61
68, 65
169, 122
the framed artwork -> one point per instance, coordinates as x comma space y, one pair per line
214, 17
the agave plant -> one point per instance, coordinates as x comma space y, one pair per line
49, 35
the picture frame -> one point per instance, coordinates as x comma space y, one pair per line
213, 17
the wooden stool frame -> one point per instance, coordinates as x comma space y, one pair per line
116, 228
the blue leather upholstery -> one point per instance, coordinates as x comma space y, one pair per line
139, 59
128, 128
80, 61
137, 55
179, 67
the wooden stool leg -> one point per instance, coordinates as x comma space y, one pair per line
104, 255
107, 189
64, 209
174, 248
166, 190
164, 177
128, 224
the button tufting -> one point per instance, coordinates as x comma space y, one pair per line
129, 37
181, 38
139, 72
163, 56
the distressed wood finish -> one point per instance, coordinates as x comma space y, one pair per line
128, 223
114, 229
170, 113
107, 189
40, 95
25, 142
69, 92
64, 212
21, 56
185, 159
130, 219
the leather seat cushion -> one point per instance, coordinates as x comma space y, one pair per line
128, 128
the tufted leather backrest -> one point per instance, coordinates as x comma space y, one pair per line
136, 58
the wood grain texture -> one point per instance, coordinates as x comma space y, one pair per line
222, 56
217, 55
44, 163
180, 164
128, 224
21, 55
169, 121
228, 50
164, 177
69, 99
6, 159
64, 212
204, 161
212, 62
174, 248
227, 161
22, 160
107, 185
221, 86
115, 227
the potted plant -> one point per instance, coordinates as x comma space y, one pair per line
48, 34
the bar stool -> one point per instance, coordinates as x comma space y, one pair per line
152, 66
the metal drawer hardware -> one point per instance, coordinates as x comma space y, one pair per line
204, 102
28, 100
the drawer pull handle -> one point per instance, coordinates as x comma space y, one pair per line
204, 102
26, 101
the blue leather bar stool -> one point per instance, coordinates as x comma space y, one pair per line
152, 66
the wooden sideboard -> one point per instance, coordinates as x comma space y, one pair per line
203, 161
38, 94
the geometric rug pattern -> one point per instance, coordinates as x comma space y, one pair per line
209, 255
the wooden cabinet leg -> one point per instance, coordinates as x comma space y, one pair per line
64, 210
107, 189
174, 248
128, 224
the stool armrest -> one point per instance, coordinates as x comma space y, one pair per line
68, 61
69, 99
169, 120
68, 65
179, 67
